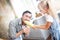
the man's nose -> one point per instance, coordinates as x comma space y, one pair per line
28, 19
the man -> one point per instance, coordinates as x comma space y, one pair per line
17, 27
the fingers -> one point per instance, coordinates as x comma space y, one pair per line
26, 30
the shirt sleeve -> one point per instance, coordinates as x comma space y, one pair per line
12, 30
49, 18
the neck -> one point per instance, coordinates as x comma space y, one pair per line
23, 22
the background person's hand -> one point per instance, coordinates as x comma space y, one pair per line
34, 26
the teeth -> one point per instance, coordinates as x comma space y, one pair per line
28, 23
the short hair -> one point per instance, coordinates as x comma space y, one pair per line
26, 12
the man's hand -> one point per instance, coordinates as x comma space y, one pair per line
26, 30
19, 33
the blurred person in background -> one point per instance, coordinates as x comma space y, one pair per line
51, 23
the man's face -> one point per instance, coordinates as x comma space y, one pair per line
26, 17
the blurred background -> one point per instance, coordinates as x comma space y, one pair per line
11, 9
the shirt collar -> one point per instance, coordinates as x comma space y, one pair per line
20, 21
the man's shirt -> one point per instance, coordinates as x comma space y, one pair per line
14, 27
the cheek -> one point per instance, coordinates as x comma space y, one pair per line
27, 18
44, 10
24, 17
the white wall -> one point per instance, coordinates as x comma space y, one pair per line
22, 5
